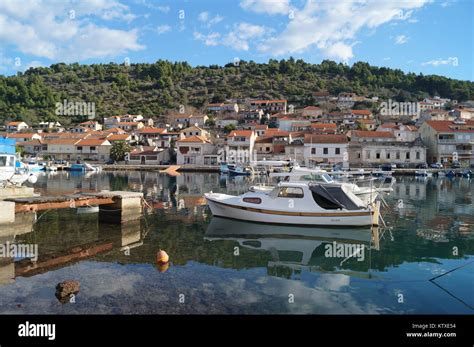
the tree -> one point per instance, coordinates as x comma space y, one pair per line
119, 150
228, 128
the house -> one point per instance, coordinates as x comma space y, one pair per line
146, 155
272, 143
325, 149
198, 120
113, 138
130, 126
33, 147
347, 100
62, 148
449, 141
19, 137
240, 145
371, 136
223, 107
254, 116
376, 153
93, 149
286, 123
323, 128
16, 126
268, 106
365, 124
111, 122
312, 112
322, 96
150, 133
195, 131
401, 132
80, 130
222, 123
49, 125
436, 114
196, 150
295, 151
463, 113
92, 125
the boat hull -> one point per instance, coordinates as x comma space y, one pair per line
261, 215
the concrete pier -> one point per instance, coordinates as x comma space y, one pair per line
126, 206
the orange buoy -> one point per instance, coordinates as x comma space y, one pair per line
162, 267
162, 257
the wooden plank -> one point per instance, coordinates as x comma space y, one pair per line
47, 204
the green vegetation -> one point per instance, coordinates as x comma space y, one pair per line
150, 89
119, 150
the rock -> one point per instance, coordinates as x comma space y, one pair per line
65, 289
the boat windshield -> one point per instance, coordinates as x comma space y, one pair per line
318, 178
7, 161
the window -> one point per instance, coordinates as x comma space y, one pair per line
290, 192
358, 155
367, 154
338, 150
418, 155
92, 148
398, 155
408, 155
313, 150
79, 148
325, 150
377, 155
388, 156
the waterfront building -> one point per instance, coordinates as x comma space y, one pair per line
366, 153
197, 150
325, 149
449, 141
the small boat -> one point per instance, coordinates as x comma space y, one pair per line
450, 174
423, 173
225, 167
467, 173
239, 170
12, 173
77, 167
33, 166
296, 203
51, 168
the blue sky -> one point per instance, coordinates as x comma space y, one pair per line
427, 36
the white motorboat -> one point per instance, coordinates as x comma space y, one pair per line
10, 175
302, 174
423, 173
296, 203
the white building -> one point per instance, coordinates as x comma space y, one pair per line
325, 149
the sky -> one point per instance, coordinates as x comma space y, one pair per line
421, 36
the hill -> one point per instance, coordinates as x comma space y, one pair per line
151, 89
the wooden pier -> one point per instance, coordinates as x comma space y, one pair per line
114, 206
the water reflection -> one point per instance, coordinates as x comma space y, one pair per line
117, 264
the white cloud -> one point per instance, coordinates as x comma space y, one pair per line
211, 39
333, 26
401, 39
206, 18
339, 51
161, 29
65, 31
203, 16
437, 62
266, 6
239, 38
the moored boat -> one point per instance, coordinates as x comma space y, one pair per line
296, 203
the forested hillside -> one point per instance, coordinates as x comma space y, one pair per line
151, 89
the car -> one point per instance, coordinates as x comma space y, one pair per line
422, 166
436, 166
455, 165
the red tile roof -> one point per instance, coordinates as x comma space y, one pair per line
244, 133
195, 138
325, 138
365, 133
450, 126
362, 112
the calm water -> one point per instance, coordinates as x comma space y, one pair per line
223, 266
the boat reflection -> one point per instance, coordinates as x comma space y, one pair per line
297, 247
